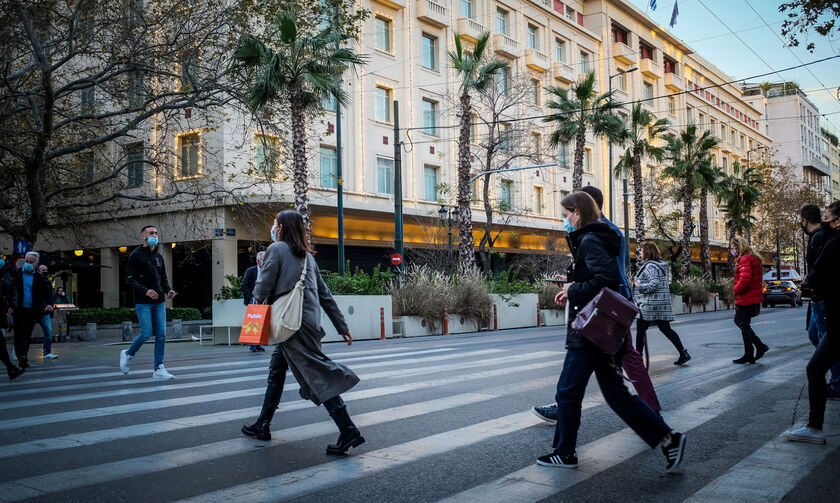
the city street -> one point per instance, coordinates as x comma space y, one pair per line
446, 419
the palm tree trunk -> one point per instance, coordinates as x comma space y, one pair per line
638, 206
487, 239
577, 172
301, 182
730, 260
688, 193
466, 245
705, 252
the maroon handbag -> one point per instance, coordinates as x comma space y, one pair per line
606, 320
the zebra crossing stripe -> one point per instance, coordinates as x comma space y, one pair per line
177, 385
189, 400
533, 483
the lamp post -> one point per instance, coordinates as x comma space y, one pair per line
446, 217
633, 68
749, 227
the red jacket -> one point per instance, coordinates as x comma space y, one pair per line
747, 282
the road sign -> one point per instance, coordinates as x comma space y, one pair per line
22, 247
396, 259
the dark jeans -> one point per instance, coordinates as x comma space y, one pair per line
826, 355
277, 378
664, 327
743, 315
4, 353
25, 320
577, 368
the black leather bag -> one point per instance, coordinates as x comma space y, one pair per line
606, 320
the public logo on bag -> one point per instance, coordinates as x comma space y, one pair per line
257, 316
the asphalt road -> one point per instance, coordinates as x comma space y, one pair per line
446, 419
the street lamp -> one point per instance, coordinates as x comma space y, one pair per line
446, 217
633, 68
749, 227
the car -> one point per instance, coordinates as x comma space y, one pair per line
781, 292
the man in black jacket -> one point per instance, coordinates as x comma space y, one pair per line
5, 299
252, 274
145, 274
31, 299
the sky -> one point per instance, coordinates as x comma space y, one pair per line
711, 38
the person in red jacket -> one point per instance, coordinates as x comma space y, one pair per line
748, 295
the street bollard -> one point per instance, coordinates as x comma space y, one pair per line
381, 323
445, 320
127, 334
495, 317
538, 314
63, 332
176, 329
90, 334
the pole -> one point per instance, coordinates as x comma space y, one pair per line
449, 242
398, 203
339, 175
610, 169
626, 223
778, 256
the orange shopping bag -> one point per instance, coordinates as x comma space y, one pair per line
256, 325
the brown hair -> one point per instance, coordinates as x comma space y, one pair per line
582, 202
743, 247
650, 251
834, 208
292, 232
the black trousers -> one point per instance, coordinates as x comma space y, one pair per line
4, 353
664, 327
743, 315
25, 320
826, 355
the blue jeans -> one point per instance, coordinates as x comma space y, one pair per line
151, 317
578, 366
816, 332
46, 327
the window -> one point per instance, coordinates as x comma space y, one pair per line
384, 175
587, 161
88, 170
723, 133
189, 162
533, 37
503, 81
539, 208
502, 21
474, 130
672, 105
136, 90
535, 92
670, 65
135, 12
329, 103
504, 137
265, 156
570, 14
467, 8
383, 34
88, 100
429, 52
619, 35
505, 199
559, 50
329, 168
383, 104
647, 91
689, 115
584, 67
189, 69
430, 183
701, 121
134, 169
713, 126
725, 165
562, 154
621, 80
536, 145
742, 141
645, 51
717, 230
429, 117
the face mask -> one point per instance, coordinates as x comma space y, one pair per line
2, 263
804, 227
152, 241
734, 253
273, 236
569, 227
27, 267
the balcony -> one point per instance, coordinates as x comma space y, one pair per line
506, 46
537, 60
674, 83
564, 72
433, 13
725, 146
396, 4
817, 165
470, 29
650, 69
623, 53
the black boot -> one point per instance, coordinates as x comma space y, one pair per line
23, 362
261, 428
350, 435
745, 359
760, 349
684, 357
14, 372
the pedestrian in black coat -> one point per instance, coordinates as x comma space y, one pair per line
32, 297
6, 285
249, 281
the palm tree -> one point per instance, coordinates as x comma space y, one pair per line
737, 195
580, 110
641, 136
478, 70
707, 180
688, 152
299, 70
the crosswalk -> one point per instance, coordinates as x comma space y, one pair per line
446, 420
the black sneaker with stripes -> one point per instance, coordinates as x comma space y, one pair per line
674, 451
558, 461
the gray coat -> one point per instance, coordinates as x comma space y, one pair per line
654, 293
319, 377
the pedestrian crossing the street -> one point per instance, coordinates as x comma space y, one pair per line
445, 420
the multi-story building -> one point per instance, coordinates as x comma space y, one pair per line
833, 160
793, 122
546, 42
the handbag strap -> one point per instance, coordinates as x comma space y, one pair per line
303, 272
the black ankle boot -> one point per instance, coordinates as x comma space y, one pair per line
744, 359
684, 357
23, 362
350, 435
260, 430
14, 372
760, 349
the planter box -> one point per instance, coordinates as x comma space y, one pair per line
363, 316
677, 304
227, 320
552, 317
459, 324
414, 326
515, 311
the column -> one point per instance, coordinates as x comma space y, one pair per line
224, 261
109, 277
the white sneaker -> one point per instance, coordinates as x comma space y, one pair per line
161, 374
50, 356
124, 359
805, 434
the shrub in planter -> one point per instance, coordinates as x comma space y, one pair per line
117, 315
231, 291
423, 293
547, 294
696, 290
726, 293
469, 296
358, 282
677, 288
509, 282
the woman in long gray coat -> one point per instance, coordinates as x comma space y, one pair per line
654, 301
321, 379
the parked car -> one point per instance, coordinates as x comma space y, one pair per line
781, 292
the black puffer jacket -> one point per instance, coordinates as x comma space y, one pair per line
594, 248
824, 280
